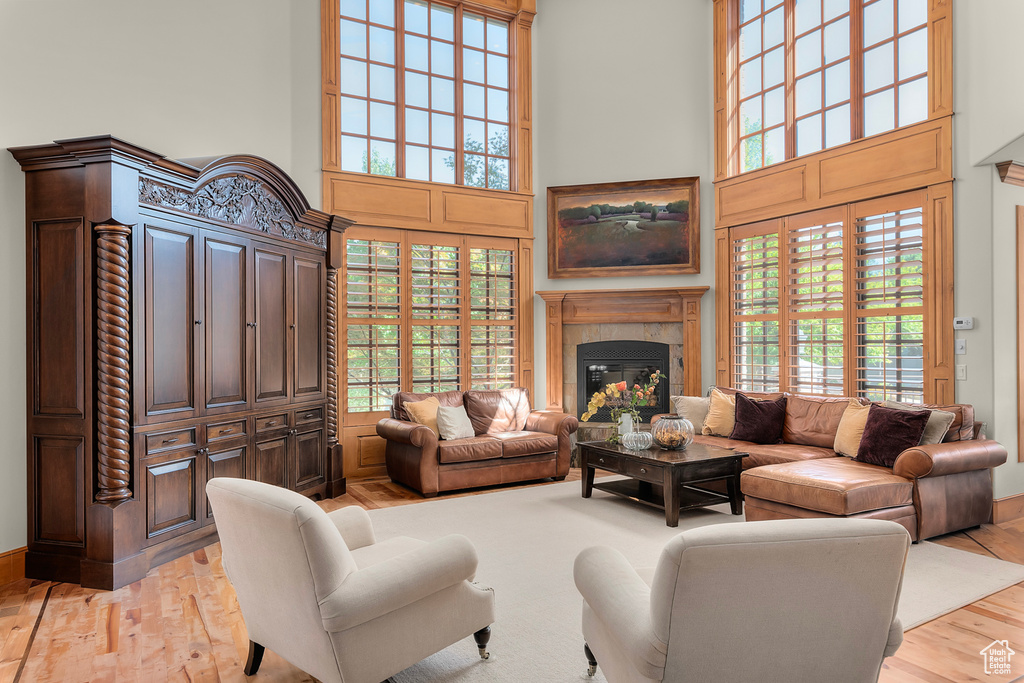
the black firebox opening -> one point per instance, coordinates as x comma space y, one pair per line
601, 363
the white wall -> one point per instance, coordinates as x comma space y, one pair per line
622, 91
185, 79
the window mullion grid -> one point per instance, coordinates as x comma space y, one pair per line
460, 124
856, 73
789, 14
399, 88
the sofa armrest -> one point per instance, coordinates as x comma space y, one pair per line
398, 582
354, 525
622, 602
936, 460
406, 432
551, 422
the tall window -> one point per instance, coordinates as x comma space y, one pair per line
813, 74
846, 317
425, 92
427, 313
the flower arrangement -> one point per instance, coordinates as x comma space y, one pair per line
623, 400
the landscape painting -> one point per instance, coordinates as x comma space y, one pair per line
648, 227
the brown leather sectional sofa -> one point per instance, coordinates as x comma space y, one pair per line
512, 443
931, 490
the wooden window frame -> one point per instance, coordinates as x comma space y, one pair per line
936, 310
518, 14
726, 92
405, 320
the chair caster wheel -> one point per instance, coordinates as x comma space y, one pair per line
484, 654
591, 671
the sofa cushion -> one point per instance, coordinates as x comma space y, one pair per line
424, 412
962, 428
836, 486
492, 412
445, 398
888, 432
515, 444
756, 395
693, 408
721, 417
720, 441
851, 428
939, 421
773, 454
468, 450
453, 423
812, 420
759, 421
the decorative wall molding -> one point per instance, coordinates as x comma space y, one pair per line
236, 199
1011, 172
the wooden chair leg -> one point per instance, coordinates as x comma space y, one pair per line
592, 669
252, 665
482, 637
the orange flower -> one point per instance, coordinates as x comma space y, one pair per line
621, 386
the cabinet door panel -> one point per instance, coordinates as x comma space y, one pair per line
308, 464
224, 463
171, 493
225, 318
309, 327
170, 321
271, 325
272, 462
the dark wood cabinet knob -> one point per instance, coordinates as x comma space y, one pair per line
199, 322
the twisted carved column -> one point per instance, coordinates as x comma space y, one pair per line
112, 377
332, 356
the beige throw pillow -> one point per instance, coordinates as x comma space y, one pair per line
721, 417
454, 423
693, 408
424, 412
851, 428
939, 421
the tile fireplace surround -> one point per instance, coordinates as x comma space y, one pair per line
669, 316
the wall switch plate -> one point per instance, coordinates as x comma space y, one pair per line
961, 347
963, 323
961, 372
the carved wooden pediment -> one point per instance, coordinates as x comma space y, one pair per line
236, 199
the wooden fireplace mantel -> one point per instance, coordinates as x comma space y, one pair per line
596, 306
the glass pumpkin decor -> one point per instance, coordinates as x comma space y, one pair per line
637, 440
673, 432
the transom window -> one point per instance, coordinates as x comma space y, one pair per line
425, 92
813, 74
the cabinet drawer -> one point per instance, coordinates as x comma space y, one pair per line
269, 423
225, 430
606, 462
167, 441
309, 415
643, 471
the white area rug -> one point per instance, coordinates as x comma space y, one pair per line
527, 540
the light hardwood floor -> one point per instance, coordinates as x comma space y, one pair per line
182, 622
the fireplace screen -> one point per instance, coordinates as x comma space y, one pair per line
601, 363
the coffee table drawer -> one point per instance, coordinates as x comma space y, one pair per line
644, 471
604, 461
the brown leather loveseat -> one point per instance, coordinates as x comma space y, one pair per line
931, 489
512, 443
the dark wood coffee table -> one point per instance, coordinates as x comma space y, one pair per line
665, 478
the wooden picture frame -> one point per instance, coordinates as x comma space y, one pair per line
603, 229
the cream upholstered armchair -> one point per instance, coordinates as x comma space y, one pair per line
781, 600
318, 590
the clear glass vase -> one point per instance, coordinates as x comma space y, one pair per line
637, 439
673, 432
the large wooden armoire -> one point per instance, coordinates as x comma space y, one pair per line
181, 326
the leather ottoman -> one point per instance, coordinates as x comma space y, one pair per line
829, 487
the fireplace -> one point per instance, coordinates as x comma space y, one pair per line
608, 362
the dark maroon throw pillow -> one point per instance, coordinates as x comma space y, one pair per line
759, 421
888, 432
